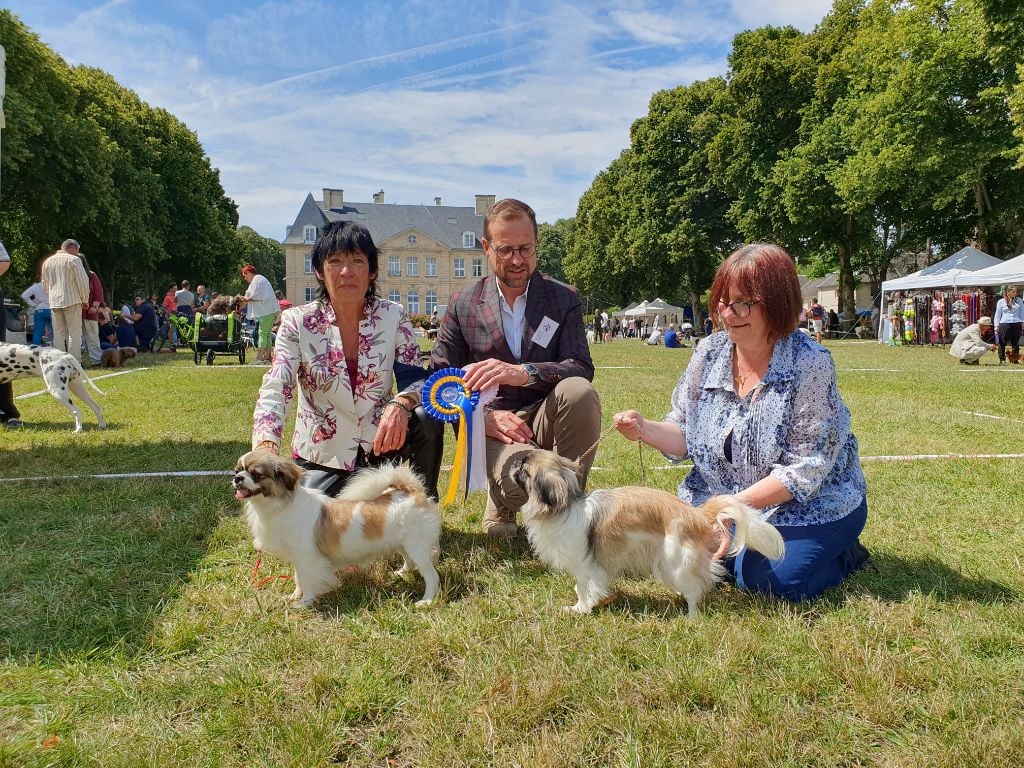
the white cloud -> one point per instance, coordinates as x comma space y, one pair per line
421, 98
802, 14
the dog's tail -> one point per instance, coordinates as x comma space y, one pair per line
83, 375
750, 531
370, 483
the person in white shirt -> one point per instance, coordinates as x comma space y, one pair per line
261, 302
39, 302
1008, 320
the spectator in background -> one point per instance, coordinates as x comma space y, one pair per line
91, 314
10, 416
185, 301
202, 299
124, 330
146, 323
817, 315
262, 305
1008, 322
709, 326
37, 300
170, 306
67, 285
672, 338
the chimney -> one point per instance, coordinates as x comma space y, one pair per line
378, 197
333, 198
483, 204
437, 201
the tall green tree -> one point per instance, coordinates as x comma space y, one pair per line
552, 246
675, 207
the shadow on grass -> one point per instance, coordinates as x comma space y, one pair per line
88, 564
893, 578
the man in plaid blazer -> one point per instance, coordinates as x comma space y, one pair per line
522, 332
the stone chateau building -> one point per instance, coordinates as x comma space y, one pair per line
427, 252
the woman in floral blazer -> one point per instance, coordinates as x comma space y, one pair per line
341, 355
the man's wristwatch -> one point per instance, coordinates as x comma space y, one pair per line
532, 372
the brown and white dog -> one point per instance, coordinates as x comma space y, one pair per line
643, 531
114, 358
60, 371
381, 511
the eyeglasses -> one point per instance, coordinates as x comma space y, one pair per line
505, 252
739, 308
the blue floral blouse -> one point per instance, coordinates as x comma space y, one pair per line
793, 426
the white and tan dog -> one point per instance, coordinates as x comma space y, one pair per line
642, 531
60, 371
381, 511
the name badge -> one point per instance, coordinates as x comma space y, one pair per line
545, 331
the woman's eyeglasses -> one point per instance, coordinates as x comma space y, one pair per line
739, 308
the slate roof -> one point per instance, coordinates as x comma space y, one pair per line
385, 220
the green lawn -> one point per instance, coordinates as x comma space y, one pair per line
130, 633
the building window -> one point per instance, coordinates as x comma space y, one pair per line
412, 239
414, 301
395, 296
307, 264
309, 234
431, 302
431, 266
412, 266
469, 239
311, 294
394, 266
458, 267
452, 220
361, 216
478, 267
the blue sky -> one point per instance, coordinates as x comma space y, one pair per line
420, 98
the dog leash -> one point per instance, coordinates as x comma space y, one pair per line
260, 583
639, 448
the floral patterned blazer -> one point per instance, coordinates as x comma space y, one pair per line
333, 421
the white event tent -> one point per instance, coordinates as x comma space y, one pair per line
958, 270
1009, 271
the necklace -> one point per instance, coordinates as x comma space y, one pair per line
739, 378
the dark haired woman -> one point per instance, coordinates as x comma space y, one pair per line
345, 351
759, 412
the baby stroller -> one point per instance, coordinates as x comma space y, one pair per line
210, 336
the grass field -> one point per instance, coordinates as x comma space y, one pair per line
130, 634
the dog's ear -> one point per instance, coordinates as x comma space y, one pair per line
290, 474
553, 491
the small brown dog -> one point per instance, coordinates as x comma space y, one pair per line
222, 305
114, 358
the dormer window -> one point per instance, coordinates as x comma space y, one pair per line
469, 239
309, 234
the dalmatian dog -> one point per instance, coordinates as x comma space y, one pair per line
60, 371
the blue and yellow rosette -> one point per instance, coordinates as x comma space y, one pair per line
447, 398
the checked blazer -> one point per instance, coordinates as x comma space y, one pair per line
471, 331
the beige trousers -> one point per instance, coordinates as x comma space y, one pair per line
567, 421
67, 329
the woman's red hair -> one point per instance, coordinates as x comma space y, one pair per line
766, 273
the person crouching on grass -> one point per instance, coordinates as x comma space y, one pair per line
758, 411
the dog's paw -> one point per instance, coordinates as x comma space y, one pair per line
295, 596
578, 608
424, 603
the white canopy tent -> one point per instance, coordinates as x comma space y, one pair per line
1009, 271
955, 271
948, 272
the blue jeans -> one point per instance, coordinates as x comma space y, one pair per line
40, 322
817, 557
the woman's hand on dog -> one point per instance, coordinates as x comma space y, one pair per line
507, 427
630, 424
